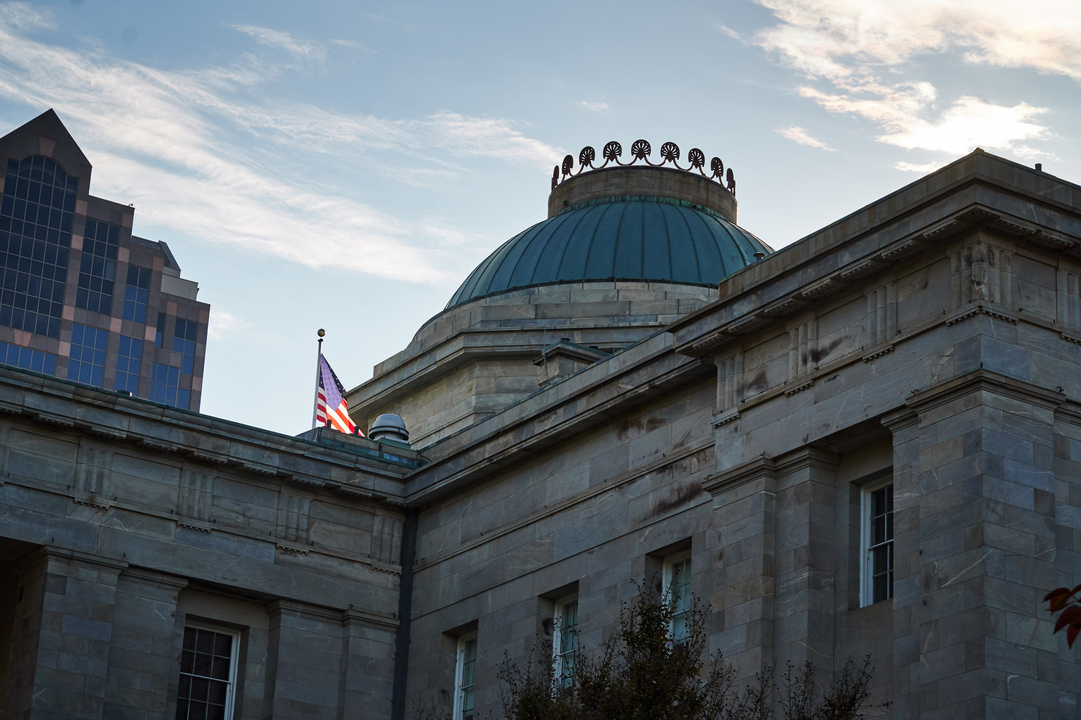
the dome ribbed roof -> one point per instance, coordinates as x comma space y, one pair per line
637, 239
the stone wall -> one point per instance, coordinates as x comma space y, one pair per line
123, 522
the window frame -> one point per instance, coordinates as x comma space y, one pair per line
668, 573
867, 547
459, 677
559, 681
234, 662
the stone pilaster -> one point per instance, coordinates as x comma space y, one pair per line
367, 666
63, 631
141, 658
805, 547
742, 541
982, 490
304, 661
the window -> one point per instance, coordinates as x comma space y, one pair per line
97, 272
159, 336
137, 294
465, 679
87, 363
165, 386
127, 364
877, 542
184, 342
27, 358
564, 642
36, 212
677, 592
207, 674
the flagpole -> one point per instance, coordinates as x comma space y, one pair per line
318, 372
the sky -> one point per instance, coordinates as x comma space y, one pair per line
345, 164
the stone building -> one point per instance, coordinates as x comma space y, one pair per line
81, 297
868, 442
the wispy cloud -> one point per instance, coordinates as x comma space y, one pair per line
593, 106
729, 32
922, 168
300, 49
797, 134
223, 323
190, 155
862, 48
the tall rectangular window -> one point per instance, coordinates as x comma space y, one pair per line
137, 293
98, 269
184, 342
677, 592
165, 386
877, 542
128, 361
27, 358
159, 336
465, 677
565, 641
36, 210
87, 363
207, 674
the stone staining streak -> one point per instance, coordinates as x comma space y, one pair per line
90, 474
293, 517
4, 445
387, 540
1069, 305
881, 320
195, 500
802, 355
729, 382
982, 273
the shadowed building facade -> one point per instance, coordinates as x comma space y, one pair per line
81, 297
866, 443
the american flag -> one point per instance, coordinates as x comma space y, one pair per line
330, 407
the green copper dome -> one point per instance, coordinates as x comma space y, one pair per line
617, 238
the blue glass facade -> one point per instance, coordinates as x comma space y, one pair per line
36, 215
137, 293
97, 272
128, 361
184, 342
165, 386
81, 297
27, 358
87, 359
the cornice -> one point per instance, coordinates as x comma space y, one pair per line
181, 437
770, 469
882, 261
546, 419
922, 401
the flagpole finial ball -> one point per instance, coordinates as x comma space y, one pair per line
322, 332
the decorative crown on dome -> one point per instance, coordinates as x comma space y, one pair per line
640, 150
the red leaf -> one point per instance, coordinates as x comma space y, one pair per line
1071, 634
1057, 599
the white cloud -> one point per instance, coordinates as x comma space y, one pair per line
491, 137
168, 142
850, 44
302, 50
24, 18
921, 168
593, 106
970, 123
729, 32
223, 323
797, 134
